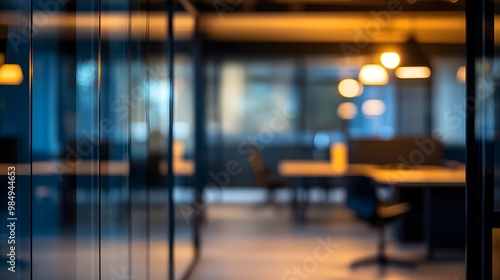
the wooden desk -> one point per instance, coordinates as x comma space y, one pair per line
426, 177
391, 174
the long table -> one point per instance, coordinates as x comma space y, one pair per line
429, 177
382, 174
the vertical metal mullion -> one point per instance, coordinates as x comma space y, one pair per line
200, 136
148, 148
170, 169
488, 161
479, 205
99, 116
30, 71
473, 235
129, 134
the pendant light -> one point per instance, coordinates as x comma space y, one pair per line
414, 62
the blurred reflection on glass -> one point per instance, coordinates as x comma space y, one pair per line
493, 85
15, 138
183, 153
252, 92
347, 111
153, 131
99, 138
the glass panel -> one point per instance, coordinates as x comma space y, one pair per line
65, 143
157, 88
99, 138
116, 210
183, 163
495, 117
81, 66
135, 104
15, 140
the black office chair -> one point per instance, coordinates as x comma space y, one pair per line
362, 199
263, 177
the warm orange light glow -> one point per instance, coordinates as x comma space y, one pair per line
448, 28
390, 60
372, 108
2, 58
338, 157
461, 74
178, 149
373, 74
347, 111
11, 74
419, 72
350, 88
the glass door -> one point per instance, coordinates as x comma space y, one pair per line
483, 126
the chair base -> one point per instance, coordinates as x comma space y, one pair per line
383, 262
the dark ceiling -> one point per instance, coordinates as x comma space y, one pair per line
212, 6
208, 6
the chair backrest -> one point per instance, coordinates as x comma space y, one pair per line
259, 168
362, 197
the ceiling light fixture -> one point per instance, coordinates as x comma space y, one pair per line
373, 108
373, 75
414, 63
347, 111
415, 72
390, 60
350, 88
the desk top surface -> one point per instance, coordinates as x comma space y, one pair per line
384, 174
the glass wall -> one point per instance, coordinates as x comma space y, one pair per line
282, 82
15, 135
85, 94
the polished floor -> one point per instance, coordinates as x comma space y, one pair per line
125, 253
248, 242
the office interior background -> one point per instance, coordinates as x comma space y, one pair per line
248, 139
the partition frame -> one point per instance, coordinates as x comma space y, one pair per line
480, 162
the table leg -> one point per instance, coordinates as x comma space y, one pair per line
297, 203
429, 247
